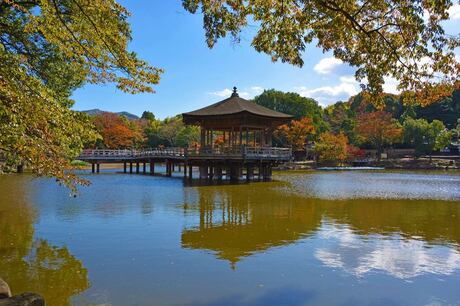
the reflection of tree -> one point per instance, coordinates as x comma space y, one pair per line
237, 221
433, 221
35, 266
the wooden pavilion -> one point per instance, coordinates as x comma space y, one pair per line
235, 122
236, 127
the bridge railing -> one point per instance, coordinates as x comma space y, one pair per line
236, 151
268, 152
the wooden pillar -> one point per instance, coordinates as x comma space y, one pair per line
190, 171
249, 172
211, 138
97, 167
235, 172
172, 166
152, 167
92, 167
218, 173
185, 169
124, 167
144, 167
202, 137
203, 172
130, 167
211, 172
261, 170
168, 168
137, 167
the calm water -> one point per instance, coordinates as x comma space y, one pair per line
324, 238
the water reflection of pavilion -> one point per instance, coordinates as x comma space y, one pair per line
235, 223
357, 235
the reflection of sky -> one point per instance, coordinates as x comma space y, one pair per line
400, 257
382, 185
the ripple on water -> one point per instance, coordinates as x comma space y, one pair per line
382, 185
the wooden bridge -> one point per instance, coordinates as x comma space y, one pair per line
213, 163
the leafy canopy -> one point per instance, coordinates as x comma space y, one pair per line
378, 128
48, 48
332, 148
426, 137
404, 39
297, 133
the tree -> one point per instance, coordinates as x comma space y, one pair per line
378, 128
115, 132
379, 37
426, 137
48, 48
332, 148
341, 118
293, 104
297, 133
149, 116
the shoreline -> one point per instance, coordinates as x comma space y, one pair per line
391, 164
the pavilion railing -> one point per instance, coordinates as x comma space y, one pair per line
173, 152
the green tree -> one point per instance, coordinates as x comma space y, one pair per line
293, 104
426, 137
379, 37
48, 48
148, 116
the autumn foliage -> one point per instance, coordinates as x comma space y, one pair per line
297, 132
332, 148
378, 128
115, 132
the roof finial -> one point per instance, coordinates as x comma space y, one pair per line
235, 93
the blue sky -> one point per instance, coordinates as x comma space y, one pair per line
167, 36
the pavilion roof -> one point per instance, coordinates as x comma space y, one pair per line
236, 105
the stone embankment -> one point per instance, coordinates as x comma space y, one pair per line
23, 299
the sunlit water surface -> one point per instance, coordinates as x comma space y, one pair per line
311, 238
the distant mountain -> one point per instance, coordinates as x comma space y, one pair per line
95, 112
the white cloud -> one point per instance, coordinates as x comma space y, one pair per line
257, 90
327, 95
391, 86
249, 93
398, 256
221, 93
327, 65
454, 11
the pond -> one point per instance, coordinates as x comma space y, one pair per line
307, 238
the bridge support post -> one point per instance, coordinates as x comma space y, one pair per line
97, 167
235, 172
124, 167
249, 172
185, 169
218, 173
168, 167
144, 167
130, 167
190, 171
92, 168
152, 167
261, 172
203, 172
211, 172
137, 167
